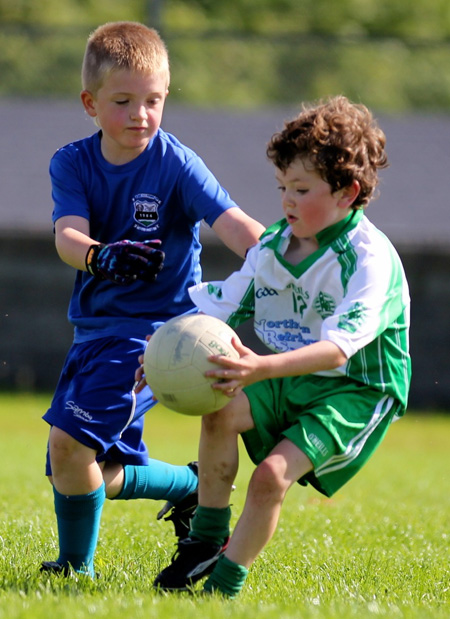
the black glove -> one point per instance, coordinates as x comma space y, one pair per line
125, 261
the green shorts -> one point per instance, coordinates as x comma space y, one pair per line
336, 422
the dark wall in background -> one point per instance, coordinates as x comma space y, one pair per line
35, 288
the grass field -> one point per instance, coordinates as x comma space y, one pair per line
380, 547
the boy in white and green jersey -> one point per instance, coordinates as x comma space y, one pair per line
328, 295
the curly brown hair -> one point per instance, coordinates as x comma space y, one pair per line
340, 139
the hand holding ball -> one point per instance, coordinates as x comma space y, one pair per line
176, 359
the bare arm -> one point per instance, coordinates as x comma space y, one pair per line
251, 368
72, 240
321, 356
237, 230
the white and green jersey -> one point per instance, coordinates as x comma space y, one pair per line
352, 291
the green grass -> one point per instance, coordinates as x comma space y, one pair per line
380, 547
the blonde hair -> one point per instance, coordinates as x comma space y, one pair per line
123, 45
340, 139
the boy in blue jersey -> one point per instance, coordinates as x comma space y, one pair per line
128, 202
329, 297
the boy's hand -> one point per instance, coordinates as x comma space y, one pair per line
139, 375
125, 261
233, 374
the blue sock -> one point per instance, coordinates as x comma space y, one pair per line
158, 480
78, 519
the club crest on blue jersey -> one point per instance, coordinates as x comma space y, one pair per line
146, 210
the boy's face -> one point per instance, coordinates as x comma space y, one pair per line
128, 107
308, 204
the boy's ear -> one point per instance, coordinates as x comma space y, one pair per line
349, 194
88, 101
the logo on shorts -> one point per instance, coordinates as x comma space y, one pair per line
78, 412
146, 210
315, 440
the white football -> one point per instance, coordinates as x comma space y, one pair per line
176, 359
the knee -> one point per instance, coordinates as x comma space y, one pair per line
61, 441
267, 482
63, 447
216, 423
232, 419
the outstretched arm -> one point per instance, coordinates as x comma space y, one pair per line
251, 368
72, 240
237, 230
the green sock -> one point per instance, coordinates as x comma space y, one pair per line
211, 524
227, 578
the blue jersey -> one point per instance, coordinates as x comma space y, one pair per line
163, 194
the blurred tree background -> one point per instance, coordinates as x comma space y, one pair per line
394, 55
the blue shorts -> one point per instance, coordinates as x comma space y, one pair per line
94, 401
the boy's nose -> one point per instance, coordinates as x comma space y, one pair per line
288, 201
138, 112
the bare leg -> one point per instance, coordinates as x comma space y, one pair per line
75, 470
218, 451
267, 489
114, 478
79, 496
